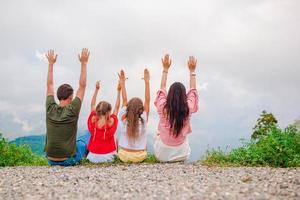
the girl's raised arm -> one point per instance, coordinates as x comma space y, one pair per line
166, 62
123, 88
93, 102
147, 91
117, 105
192, 63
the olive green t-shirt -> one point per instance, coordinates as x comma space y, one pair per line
61, 128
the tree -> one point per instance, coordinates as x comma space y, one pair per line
264, 125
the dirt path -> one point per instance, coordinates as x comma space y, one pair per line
157, 181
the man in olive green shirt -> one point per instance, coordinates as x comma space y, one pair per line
61, 146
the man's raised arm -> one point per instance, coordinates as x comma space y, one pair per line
83, 58
51, 60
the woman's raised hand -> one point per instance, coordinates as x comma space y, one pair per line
97, 85
166, 62
122, 80
119, 87
192, 62
146, 75
122, 77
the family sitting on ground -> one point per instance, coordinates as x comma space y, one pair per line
101, 144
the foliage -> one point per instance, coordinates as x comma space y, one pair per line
264, 123
13, 155
151, 159
278, 148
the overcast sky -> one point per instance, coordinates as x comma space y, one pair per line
248, 58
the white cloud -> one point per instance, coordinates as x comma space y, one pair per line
26, 127
203, 86
41, 56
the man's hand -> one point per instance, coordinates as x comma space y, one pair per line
166, 62
51, 57
97, 85
192, 62
84, 57
146, 75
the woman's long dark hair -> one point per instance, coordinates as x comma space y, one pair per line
176, 108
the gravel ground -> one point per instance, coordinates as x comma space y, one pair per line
149, 181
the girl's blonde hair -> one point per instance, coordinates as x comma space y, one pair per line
103, 108
135, 109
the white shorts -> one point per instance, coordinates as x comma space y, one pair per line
100, 158
165, 153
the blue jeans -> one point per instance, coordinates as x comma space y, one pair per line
81, 151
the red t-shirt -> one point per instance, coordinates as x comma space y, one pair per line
102, 139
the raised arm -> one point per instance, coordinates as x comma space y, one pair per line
123, 88
93, 102
166, 62
192, 63
51, 60
147, 91
117, 105
83, 58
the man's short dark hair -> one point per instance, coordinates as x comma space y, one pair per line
64, 92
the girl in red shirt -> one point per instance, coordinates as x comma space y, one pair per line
102, 126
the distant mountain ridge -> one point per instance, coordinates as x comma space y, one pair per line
35, 142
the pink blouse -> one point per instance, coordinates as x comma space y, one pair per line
164, 125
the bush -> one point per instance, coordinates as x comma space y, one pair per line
13, 155
263, 125
278, 148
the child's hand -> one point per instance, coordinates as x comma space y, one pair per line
119, 87
122, 77
166, 62
97, 85
146, 75
192, 62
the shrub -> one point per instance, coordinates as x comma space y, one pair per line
278, 148
264, 124
13, 155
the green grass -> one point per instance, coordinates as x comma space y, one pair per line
13, 155
279, 148
149, 160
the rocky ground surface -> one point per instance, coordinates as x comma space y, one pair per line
148, 181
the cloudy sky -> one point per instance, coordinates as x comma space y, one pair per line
248, 58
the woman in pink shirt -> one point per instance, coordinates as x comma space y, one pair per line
175, 109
